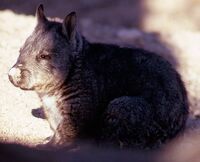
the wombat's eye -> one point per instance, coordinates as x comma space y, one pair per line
45, 57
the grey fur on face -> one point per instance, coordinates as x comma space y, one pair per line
112, 96
42, 54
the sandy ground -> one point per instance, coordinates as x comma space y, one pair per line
17, 123
180, 47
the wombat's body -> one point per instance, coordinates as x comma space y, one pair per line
117, 96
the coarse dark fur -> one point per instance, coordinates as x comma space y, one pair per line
120, 97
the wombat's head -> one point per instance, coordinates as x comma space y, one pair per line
45, 57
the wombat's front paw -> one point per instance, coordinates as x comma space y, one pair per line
47, 144
44, 147
38, 113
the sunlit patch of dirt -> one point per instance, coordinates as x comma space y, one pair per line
17, 123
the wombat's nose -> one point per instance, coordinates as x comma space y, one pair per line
15, 75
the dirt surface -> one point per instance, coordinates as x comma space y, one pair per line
17, 123
131, 23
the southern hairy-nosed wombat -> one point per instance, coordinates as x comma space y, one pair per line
112, 95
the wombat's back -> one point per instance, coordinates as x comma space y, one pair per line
138, 73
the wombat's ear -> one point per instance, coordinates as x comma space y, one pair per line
69, 26
41, 18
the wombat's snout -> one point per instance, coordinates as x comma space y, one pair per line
15, 75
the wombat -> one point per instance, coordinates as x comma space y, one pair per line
114, 96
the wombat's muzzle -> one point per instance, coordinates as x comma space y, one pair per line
17, 76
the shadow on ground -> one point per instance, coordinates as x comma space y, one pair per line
112, 12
